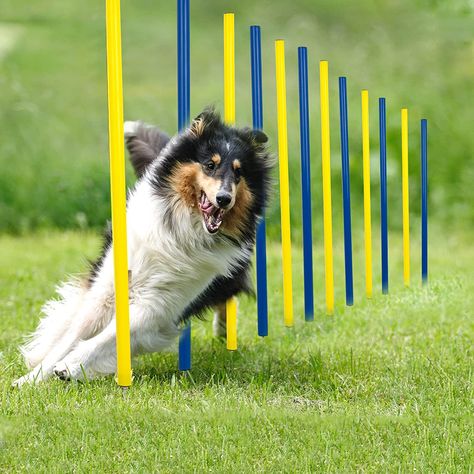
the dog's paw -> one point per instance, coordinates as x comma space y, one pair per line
18, 383
31, 378
68, 371
62, 374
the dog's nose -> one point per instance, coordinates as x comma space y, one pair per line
223, 199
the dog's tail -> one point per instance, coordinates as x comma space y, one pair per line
144, 143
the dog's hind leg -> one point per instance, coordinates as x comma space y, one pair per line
58, 315
45, 369
219, 323
86, 322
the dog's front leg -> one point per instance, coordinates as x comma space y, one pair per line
98, 356
92, 357
219, 324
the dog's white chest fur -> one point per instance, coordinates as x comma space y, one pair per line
170, 268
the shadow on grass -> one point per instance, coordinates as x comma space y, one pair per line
259, 365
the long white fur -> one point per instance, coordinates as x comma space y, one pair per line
168, 269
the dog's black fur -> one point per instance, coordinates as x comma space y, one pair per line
207, 135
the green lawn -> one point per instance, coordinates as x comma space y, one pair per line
384, 386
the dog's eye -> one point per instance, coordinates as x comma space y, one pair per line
211, 165
237, 173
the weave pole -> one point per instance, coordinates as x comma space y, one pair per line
346, 190
229, 117
405, 200
424, 201
383, 194
284, 182
326, 167
184, 352
306, 184
366, 179
117, 190
257, 121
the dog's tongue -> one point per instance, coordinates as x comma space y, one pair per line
206, 205
212, 214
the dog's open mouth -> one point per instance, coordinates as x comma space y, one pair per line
212, 215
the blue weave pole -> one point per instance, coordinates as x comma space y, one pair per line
306, 184
346, 190
424, 201
261, 244
383, 194
184, 357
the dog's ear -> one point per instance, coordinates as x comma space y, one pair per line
259, 136
207, 119
144, 143
257, 140
255, 137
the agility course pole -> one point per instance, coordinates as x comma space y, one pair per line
326, 171
184, 352
229, 69
366, 179
117, 190
405, 200
284, 182
383, 194
257, 121
424, 201
229, 117
346, 190
306, 184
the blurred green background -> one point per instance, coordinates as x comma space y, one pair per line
53, 122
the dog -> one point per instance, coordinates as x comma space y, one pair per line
192, 218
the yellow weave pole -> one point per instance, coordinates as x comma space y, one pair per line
326, 166
231, 313
229, 117
117, 190
366, 178
405, 200
284, 182
229, 69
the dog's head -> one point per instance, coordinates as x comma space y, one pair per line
219, 172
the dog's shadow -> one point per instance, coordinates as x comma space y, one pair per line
258, 365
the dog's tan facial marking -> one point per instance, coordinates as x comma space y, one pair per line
216, 159
184, 181
234, 219
236, 164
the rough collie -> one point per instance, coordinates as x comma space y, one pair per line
192, 219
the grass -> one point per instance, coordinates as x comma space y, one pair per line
383, 386
53, 103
